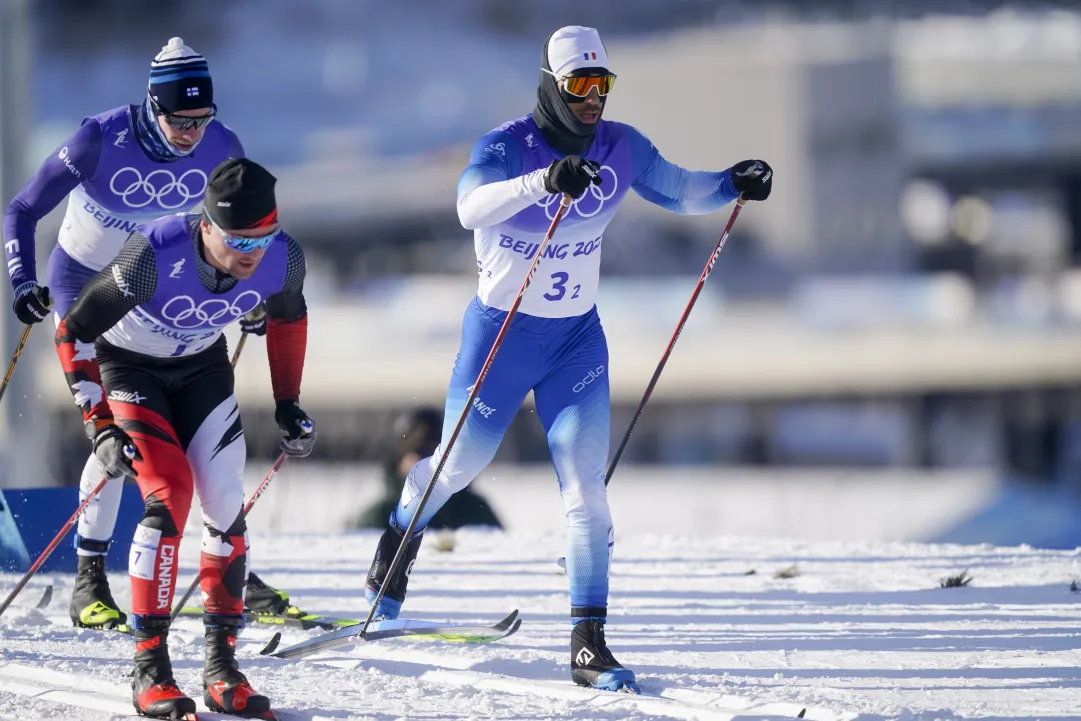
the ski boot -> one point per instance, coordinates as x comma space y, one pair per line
262, 598
592, 664
92, 604
225, 689
153, 689
391, 603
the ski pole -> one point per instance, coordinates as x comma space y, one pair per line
258, 492
564, 203
239, 347
129, 451
672, 343
247, 507
15, 359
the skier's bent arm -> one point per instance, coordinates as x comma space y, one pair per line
72, 163
127, 282
491, 189
687, 192
287, 328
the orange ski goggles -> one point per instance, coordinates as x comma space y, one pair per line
580, 87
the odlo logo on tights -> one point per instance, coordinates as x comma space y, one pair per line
590, 377
165, 576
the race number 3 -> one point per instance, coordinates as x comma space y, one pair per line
559, 287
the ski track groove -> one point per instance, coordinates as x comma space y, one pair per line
862, 633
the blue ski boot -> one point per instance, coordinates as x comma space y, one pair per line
391, 603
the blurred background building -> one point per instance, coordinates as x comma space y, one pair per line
908, 300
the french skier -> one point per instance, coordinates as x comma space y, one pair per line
555, 346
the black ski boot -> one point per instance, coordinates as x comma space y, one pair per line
153, 689
92, 604
225, 689
391, 603
260, 597
592, 664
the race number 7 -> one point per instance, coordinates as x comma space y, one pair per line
559, 287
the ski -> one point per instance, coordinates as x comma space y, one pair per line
677, 703
453, 632
91, 693
305, 621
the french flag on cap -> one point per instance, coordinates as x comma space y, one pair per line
589, 56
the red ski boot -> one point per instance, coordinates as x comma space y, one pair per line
225, 689
153, 690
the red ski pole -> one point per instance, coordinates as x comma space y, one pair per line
675, 336
563, 205
129, 451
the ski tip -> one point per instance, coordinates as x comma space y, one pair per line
46, 598
272, 645
802, 713
509, 620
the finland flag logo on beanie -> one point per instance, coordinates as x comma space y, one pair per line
180, 78
575, 47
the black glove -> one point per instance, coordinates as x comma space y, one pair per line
298, 428
254, 322
32, 303
753, 179
572, 175
116, 452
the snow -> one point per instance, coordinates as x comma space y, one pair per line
862, 631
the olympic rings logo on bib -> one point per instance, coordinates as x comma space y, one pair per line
160, 186
182, 312
590, 202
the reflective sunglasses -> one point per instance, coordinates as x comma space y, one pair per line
580, 87
182, 123
244, 245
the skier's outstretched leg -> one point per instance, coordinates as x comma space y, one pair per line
503, 391
166, 485
573, 406
209, 426
92, 604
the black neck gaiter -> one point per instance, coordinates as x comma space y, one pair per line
557, 123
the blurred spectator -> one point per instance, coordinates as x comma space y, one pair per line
419, 433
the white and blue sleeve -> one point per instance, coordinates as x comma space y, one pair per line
687, 192
493, 189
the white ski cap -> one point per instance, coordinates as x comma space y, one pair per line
574, 47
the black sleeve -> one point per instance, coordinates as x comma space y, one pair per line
130, 280
288, 305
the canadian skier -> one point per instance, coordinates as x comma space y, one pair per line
157, 335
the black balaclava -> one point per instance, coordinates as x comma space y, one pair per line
557, 123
